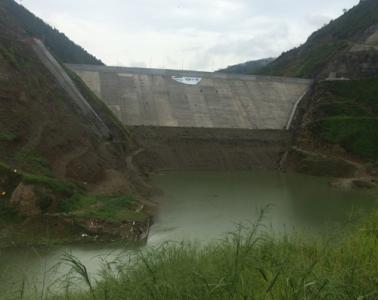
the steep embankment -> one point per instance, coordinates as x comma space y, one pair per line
59, 172
338, 120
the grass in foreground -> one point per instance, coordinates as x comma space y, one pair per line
248, 265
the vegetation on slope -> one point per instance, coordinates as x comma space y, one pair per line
52, 156
325, 44
63, 200
60, 45
346, 113
113, 208
11, 178
249, 67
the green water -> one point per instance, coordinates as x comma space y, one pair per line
202, 206
205, 205
41, 271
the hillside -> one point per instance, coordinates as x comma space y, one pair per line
338, 119
56, 167
248, 67
27, 24
346, 47
338, 122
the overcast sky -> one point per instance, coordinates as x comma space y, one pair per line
190, 34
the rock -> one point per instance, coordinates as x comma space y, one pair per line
127, 230
317, 164
25, 200
372, 170
364, 183
343, 183
354, 183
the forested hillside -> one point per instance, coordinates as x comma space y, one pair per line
61, 46
339, 117
345, 45
248, 67
343, 113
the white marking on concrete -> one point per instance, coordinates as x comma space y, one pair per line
294, 110
187, 80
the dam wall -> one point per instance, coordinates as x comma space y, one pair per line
201, 120
179, 148
154, 97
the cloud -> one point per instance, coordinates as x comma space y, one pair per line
190, 34
316, 20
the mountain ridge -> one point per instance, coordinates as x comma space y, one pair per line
248, 67
27, 24
332, 49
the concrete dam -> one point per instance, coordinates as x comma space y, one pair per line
200, 120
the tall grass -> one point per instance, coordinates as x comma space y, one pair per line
81, 270
248, 264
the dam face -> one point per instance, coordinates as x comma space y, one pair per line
201, 120
153, 97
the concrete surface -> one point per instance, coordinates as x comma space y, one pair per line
67, 84
152, 97
178, 148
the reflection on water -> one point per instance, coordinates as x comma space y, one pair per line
202, 206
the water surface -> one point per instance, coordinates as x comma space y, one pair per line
202, 206
205, 205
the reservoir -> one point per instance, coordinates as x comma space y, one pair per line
201, 206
